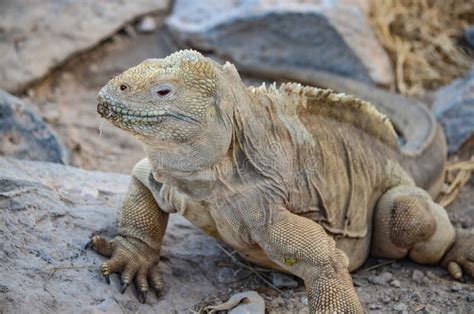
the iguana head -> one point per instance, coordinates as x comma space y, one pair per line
172, 105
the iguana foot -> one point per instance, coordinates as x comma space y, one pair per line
460, 256
134, 259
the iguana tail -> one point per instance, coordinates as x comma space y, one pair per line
423, 145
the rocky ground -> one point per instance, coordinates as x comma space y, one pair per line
47, 217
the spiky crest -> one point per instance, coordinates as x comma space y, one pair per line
337, 106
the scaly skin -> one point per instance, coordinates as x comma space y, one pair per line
275, 173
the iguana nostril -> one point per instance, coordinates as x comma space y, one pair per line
123, 87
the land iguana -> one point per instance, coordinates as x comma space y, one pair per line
295, 178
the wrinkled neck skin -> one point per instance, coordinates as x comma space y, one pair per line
196, 168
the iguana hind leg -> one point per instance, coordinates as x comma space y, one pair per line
408, 222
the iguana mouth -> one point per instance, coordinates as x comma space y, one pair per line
120, 113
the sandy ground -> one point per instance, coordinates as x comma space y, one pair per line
67, 101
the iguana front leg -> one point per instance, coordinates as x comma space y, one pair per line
302, 247
135, 252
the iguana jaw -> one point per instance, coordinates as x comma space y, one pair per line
126, 118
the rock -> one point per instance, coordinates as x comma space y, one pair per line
469, 35
454, 108
360, 282
25, 135
386, 299
225, 274
304, 300
395, 283
418, 276
147, 24
333, 36
400, 307
431, 309
470, 297
456, 288
280, 280
49, 212
396, 265
4, 288
381, 279
431, 275
39, 35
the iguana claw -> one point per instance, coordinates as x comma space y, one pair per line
132, 258
142, 296
124, 287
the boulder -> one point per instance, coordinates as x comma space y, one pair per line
37, 36
333, 36
24, 135
49, 211
454, 107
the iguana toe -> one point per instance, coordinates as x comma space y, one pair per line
154, 279
460, 256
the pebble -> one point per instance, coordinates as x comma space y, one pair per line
360, 282
280, 280
374, 306
278, 301
304, 300
431, 309
225, 274
147, 25
470, 297
396, 265
4, 288
431, 275
418, 276
456, 288
395, 283
399, 307
386, 299
381, 279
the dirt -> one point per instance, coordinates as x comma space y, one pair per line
66, 100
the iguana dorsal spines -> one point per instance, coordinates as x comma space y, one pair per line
343, 108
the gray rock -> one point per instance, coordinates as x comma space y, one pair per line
147, 24
469, 35
24, 135
456, 288
39, 35
395, 283
418, 276
431, 309
49, 212
381, 279
280, 280
395, 265
373, 306
326, 35
454, 108
470, 297
360, 282
400, 307
386, 299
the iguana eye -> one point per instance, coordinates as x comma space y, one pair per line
163, 90
124, 87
